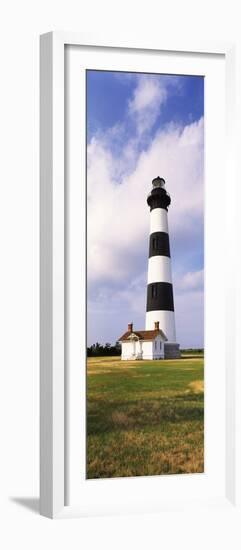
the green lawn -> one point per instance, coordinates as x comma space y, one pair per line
144, 418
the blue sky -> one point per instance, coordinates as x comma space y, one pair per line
140, 126
103, 87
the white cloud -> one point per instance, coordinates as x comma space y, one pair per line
149, 95
118, 216
190, 281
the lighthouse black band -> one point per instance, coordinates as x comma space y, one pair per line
158, 198
159, 244
159, 297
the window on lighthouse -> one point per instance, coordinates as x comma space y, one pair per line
154, 291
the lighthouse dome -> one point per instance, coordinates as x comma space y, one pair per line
158, 182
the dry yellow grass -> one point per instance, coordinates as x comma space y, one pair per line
197, 386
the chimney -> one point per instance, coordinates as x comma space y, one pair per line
130, 327
156, 325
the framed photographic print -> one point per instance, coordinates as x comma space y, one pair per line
138, 364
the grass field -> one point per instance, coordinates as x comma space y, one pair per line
144, 418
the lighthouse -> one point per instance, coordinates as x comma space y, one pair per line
160, 303
158, 340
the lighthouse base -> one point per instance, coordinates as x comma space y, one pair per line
171, 351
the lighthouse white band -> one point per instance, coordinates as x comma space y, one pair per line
166, 321
159, 270
158, 220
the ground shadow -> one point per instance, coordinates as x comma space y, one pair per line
104, 417
28, 502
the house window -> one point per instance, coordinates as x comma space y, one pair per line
155, 344
160, 345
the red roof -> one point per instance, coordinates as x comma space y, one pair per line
142, 335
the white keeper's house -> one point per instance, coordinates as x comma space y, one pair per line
143, 344
158, 340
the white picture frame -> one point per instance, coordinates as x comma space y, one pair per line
53, 427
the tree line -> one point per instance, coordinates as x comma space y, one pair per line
98, 349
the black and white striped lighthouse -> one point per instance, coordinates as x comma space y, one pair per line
160, 303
